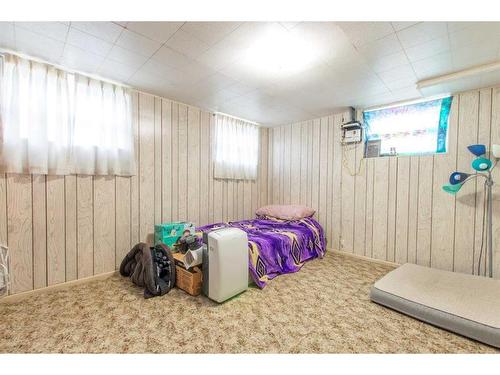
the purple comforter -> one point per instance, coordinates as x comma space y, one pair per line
277, 246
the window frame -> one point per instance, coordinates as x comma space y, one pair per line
445, 110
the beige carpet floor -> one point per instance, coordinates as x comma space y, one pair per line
324, 308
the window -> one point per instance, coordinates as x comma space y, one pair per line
412, 129
56, 122
236, 148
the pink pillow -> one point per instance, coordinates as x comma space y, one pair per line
285, 212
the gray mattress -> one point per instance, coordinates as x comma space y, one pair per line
464, 304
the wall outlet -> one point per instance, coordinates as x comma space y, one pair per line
495, 150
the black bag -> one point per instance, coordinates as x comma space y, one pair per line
152, 268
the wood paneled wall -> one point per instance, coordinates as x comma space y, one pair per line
305, 168
62, 228
394, 208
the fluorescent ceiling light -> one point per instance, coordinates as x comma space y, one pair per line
280, 52
486, 68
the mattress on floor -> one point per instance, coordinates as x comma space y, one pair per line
465, 304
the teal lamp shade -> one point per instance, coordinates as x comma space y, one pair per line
452, 189
477, 150
458, 177
481, 164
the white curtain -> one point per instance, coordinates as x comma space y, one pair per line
236, 148
54, 122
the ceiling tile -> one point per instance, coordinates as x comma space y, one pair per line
490, 79
239, 71
289, 25
219, 56
361, 33
225, 95
137, 43
326, 42
455, 26
240, 88
476, 32
421, 33
158, 31
385, 63
152, 83
374, 100
402, 72
428, 49
186, 44
7, 39
126, 57
53, 30
381, 47
36, 45
352, 64
433, 66
197, 71
406, 93
401, 84
172, 58
475, 54
88, 42
108, 31
233, 46
217, 81
153, 67
371, 88
115, 70
403, 25
210, 32
78, 59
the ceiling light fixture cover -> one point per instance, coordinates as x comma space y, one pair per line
278, 51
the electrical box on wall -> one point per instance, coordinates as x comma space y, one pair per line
352, 132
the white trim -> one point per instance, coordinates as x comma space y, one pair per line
479, 69
237, 118
4, 51
365, 258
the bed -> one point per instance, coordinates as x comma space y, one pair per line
276, 246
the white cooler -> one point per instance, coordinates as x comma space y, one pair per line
225, 263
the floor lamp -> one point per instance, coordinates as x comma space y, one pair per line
483, 168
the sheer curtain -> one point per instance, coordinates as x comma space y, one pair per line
236, 148
55, 122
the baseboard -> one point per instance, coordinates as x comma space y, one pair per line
368, 259
52, 288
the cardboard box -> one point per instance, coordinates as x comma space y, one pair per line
169, 233
191, 280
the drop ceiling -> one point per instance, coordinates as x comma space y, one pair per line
218, 65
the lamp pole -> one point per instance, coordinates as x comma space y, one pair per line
489, 185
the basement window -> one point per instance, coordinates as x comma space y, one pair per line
412, 129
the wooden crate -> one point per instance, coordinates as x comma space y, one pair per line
188, 280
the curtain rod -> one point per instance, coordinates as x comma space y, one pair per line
4, 51
237, 118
